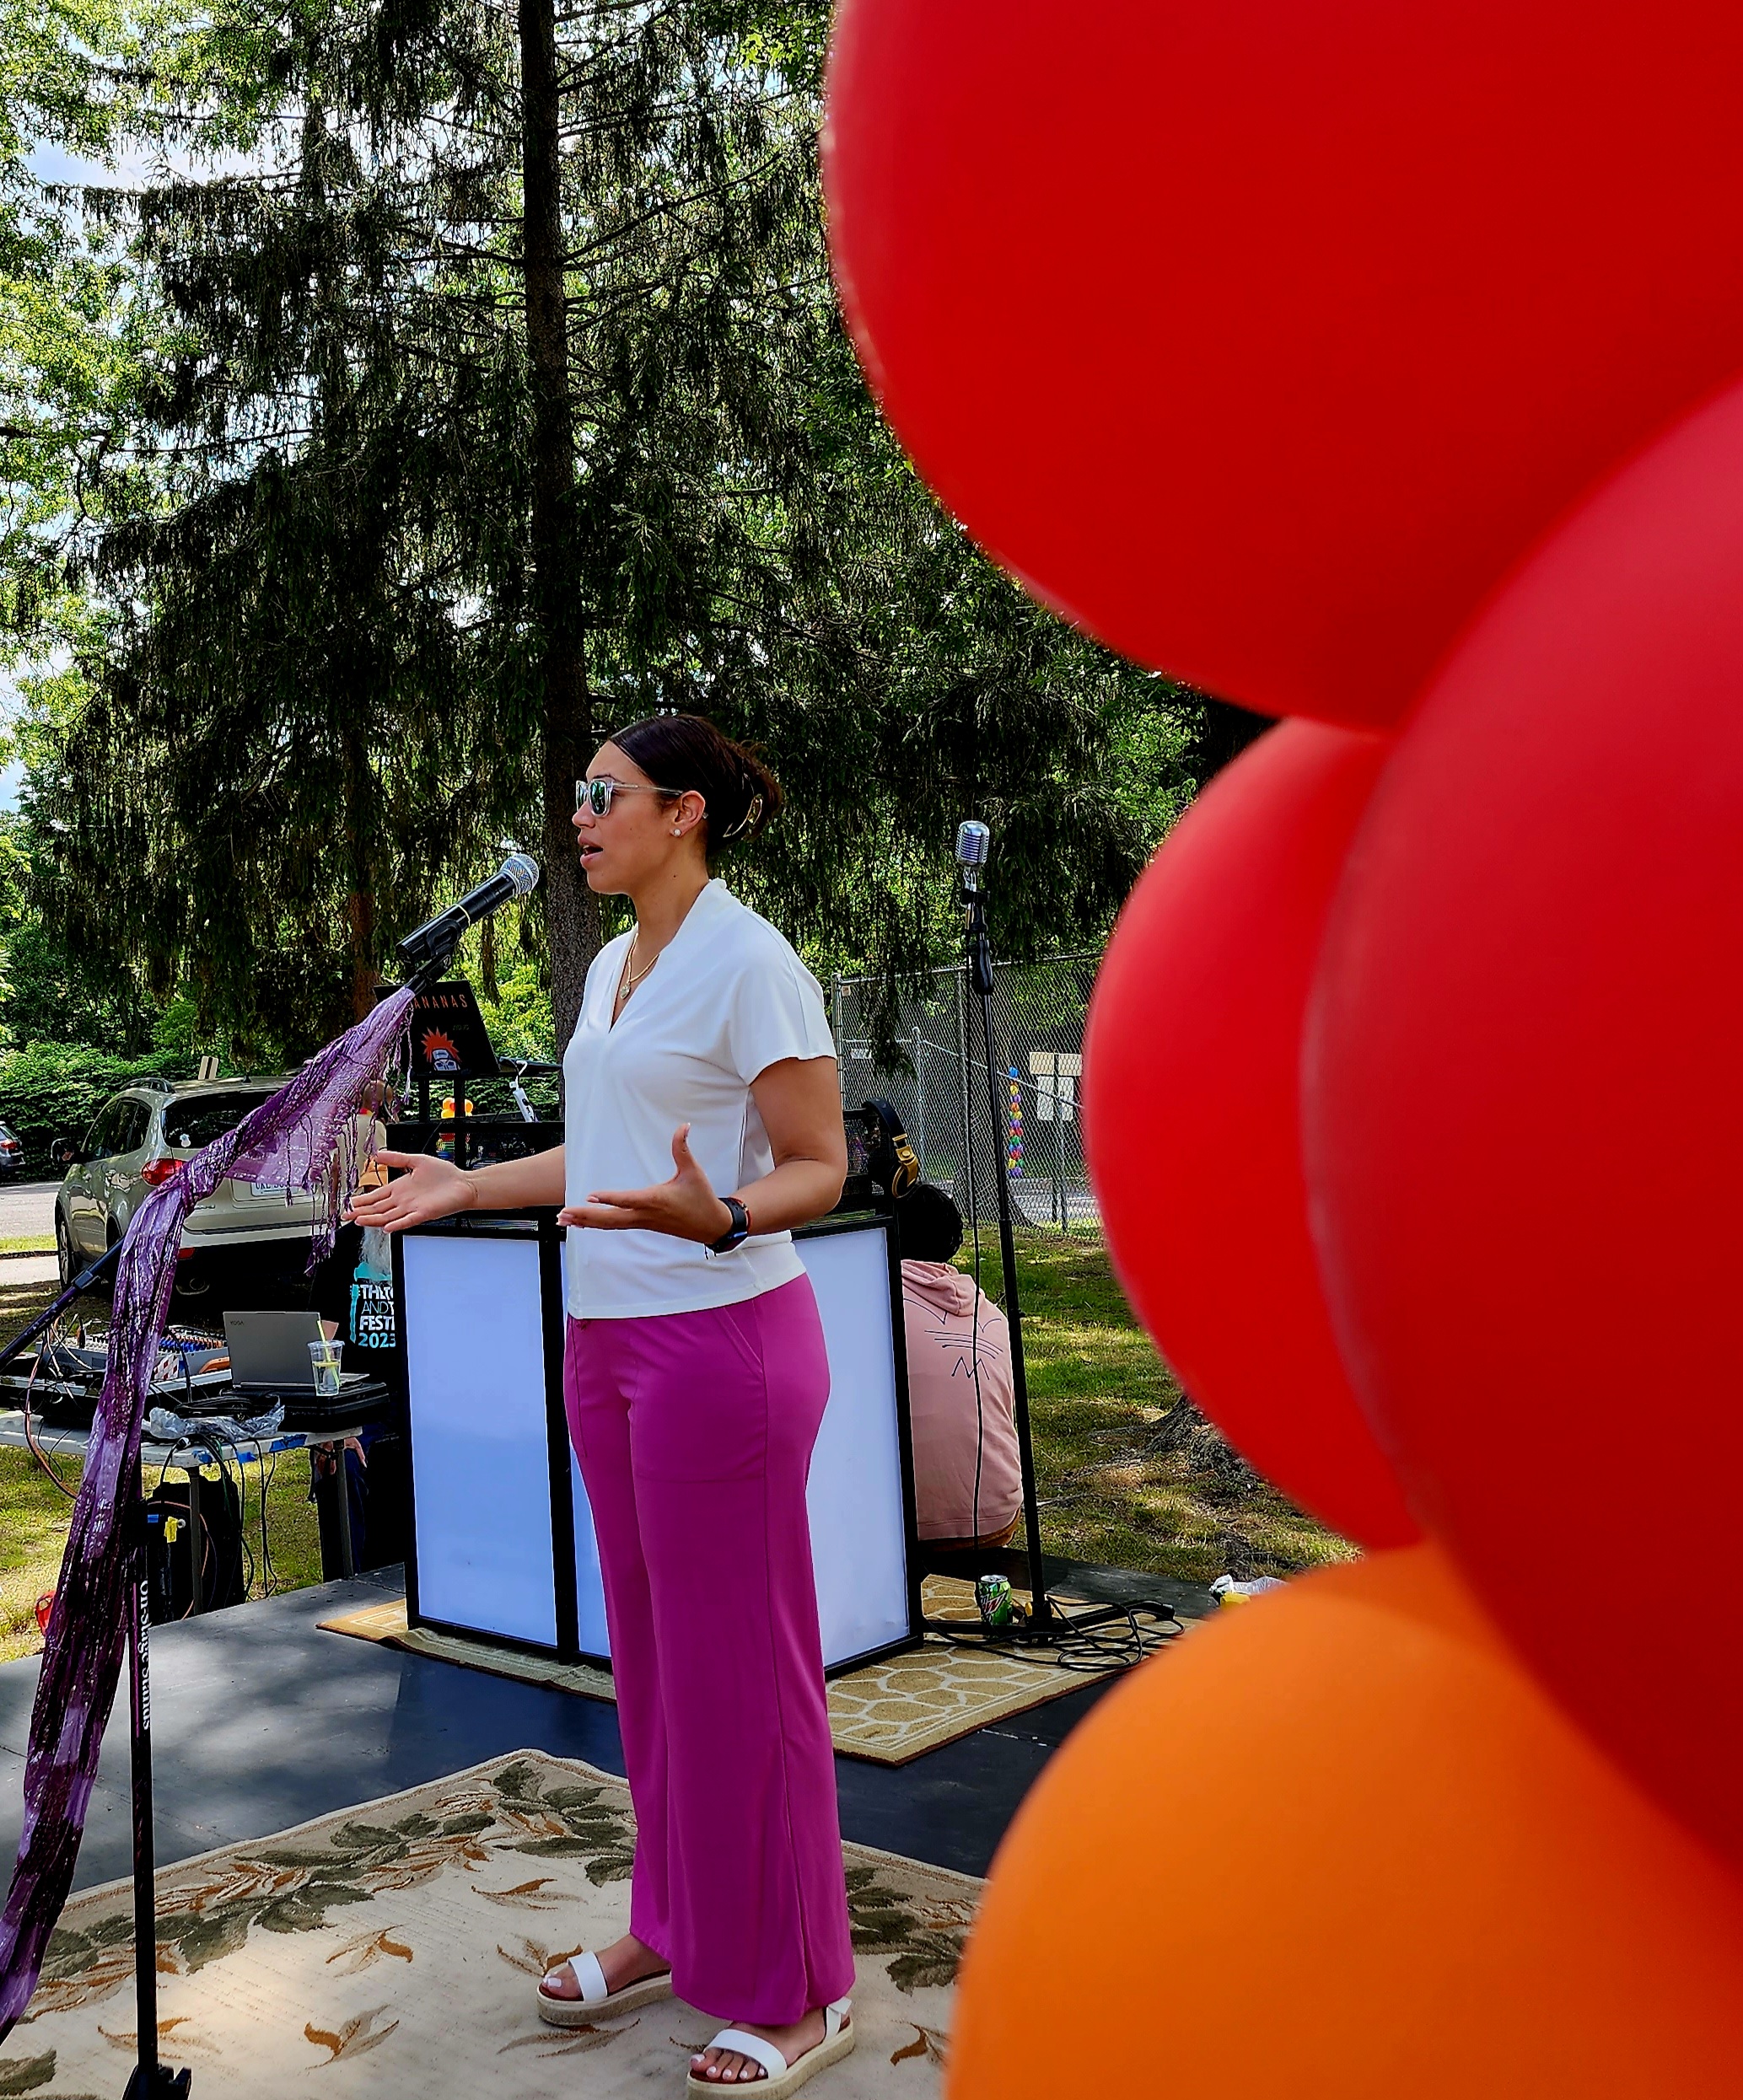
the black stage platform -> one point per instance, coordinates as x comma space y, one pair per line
259, 1722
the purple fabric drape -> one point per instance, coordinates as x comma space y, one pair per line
306, 1138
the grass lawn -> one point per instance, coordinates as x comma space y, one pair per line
1097, 1393
34, 1513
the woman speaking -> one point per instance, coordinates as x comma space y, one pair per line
703, 1122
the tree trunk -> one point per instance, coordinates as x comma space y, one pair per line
571, 909
360, 917
1224, 732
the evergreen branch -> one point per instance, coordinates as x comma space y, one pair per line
666, 209
196, 448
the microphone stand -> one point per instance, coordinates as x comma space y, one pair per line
1047, 1622
980, 973
151, 2080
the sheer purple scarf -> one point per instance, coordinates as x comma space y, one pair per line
306, 1138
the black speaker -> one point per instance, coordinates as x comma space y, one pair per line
170, 1561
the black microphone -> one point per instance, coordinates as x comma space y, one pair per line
437, 938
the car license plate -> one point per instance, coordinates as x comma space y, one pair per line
266, 1191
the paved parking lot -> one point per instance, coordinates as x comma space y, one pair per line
27, 1208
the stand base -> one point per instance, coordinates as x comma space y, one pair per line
158, 2083
1057, 1624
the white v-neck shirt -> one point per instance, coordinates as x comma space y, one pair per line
726, 999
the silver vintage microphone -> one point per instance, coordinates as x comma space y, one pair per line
974, 842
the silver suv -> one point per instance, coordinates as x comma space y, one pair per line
138, 1141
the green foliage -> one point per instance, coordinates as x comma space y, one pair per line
49, 990
317, 700
519, 1018
55, 994
55, 1090
71, 327
177, 1028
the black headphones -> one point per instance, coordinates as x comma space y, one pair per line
890, 1159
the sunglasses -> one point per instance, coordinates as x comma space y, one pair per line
596, 794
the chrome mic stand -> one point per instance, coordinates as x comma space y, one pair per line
1047, 1622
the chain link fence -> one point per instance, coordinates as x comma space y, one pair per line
935, 1070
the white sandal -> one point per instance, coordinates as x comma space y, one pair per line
839, 2036
597, 2001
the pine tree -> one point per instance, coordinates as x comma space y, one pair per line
502, 401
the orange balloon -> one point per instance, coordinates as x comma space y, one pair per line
1340, 1845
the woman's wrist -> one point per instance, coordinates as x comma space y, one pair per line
734, 1226
474, 1194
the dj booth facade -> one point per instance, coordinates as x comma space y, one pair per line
502, 1542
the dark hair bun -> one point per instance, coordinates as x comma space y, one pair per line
928, 1224
687, 754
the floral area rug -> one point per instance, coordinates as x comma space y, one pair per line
889, 1712
395, 1949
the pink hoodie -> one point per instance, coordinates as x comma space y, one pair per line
938, 1310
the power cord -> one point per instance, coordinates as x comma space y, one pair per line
268, 1462
1095, 1650
213, 1437
1148, 1628
208, 1548
35, 1449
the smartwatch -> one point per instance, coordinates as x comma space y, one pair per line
737, 1233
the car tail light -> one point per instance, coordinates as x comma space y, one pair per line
10, 1145
155, 1172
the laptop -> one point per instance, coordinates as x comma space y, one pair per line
269, 1352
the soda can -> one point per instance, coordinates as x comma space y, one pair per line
992, 1598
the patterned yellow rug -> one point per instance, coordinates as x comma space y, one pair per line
394, 1950
888, 1712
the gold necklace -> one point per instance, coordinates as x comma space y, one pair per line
631, 979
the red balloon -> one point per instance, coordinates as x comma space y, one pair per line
1191, 1067
1263, 338
1523, 1114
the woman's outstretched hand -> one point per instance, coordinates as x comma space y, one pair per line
429, 1188
685, 1207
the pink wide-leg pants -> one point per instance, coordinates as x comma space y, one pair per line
694, 1431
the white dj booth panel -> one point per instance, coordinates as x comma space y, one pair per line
486, 1556
590, 1584
481, 1464
859, 1531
